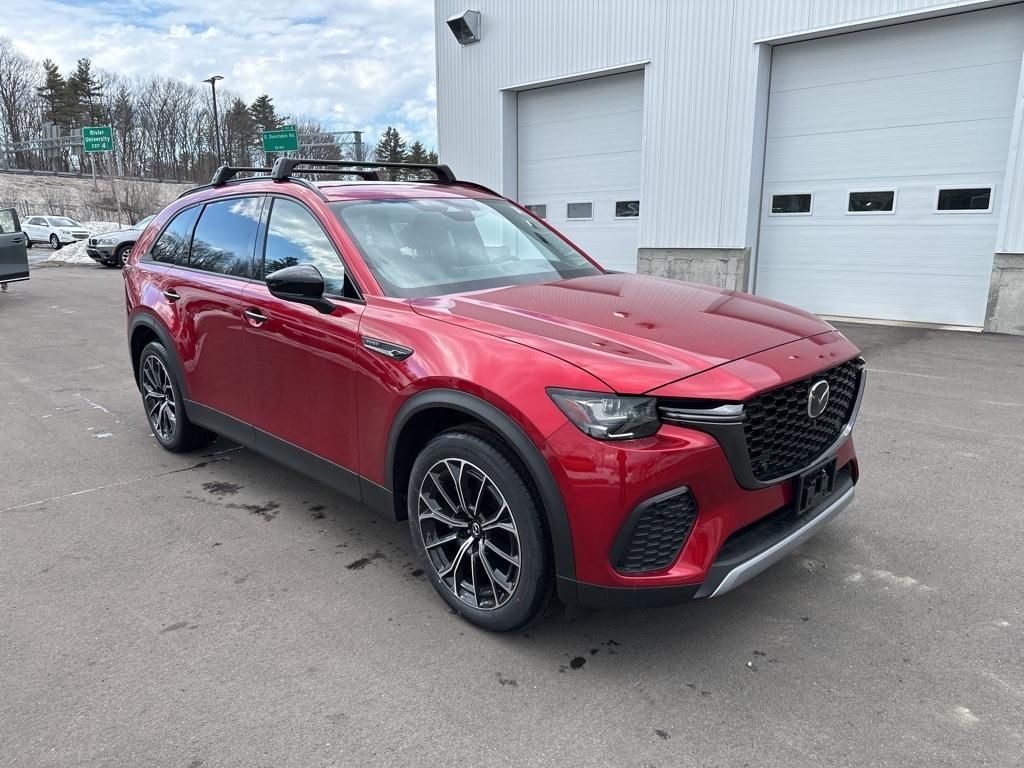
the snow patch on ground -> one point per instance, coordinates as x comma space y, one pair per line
75, 253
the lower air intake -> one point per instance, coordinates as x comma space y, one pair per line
654, 534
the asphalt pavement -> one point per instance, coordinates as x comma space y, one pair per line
216, 609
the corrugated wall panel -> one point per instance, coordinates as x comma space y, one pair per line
699, 91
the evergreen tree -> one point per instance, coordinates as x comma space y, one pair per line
240, 134
55, 95
417, 153
85, 94
432, 157
264, 113
390, 149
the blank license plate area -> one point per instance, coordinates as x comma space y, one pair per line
814, 486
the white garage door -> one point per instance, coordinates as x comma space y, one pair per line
885, 154
579, 162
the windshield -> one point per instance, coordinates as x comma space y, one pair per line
142, 223
432, 246
58, 221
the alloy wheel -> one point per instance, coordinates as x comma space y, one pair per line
158, 397
469, 534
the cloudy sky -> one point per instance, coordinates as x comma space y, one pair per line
352, 64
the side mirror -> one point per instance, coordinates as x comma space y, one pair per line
302, 284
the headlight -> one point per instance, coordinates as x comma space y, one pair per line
608, 417
105, 240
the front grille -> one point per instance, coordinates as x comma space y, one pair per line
782, 437
654, 536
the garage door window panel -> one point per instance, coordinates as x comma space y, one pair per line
973, 199
579, 211
792, 204
540, 210
871, 202
627, 209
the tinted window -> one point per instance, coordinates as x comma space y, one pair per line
800, 203
627, 209
8, 221
871, 202
540, 210
974, 199
434, 246
225, 236
172, 245
295, 237
579, 211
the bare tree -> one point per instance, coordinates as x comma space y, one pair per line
19, 77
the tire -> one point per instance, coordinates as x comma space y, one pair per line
55, 242
164, 404
28, 242
508, 581
117, 260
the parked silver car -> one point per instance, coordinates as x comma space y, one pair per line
110, 248
55, 230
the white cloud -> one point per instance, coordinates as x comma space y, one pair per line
350, 64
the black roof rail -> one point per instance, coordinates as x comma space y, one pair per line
225, 173
286, 166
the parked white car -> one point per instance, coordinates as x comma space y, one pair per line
55, 230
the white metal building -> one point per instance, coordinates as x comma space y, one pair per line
859, 158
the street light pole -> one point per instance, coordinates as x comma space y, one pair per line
216, 126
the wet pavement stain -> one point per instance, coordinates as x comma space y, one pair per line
217, 488
362, 562
577, 662
268, 510
178, 625
663, 735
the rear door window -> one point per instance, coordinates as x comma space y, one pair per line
226, 235
172, 245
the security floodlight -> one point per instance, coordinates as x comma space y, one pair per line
466, 27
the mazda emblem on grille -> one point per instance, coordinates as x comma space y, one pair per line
817, 399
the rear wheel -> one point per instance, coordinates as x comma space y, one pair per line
478, 531
55, 242
161, 397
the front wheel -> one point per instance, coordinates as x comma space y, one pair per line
478, 531
28, 242
161, 397
117, 260
55, 242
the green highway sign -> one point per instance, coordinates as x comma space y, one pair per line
98, 138
284, 139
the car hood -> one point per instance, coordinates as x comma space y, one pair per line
117, 233
633, 332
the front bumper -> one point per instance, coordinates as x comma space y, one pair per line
743, 554
100, 252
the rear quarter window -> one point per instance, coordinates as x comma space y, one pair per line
173, 244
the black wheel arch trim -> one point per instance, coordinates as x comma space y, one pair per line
154, 325
527, 450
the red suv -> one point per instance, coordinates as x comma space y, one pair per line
551, 430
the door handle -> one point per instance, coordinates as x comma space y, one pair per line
255, 317
171, 295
